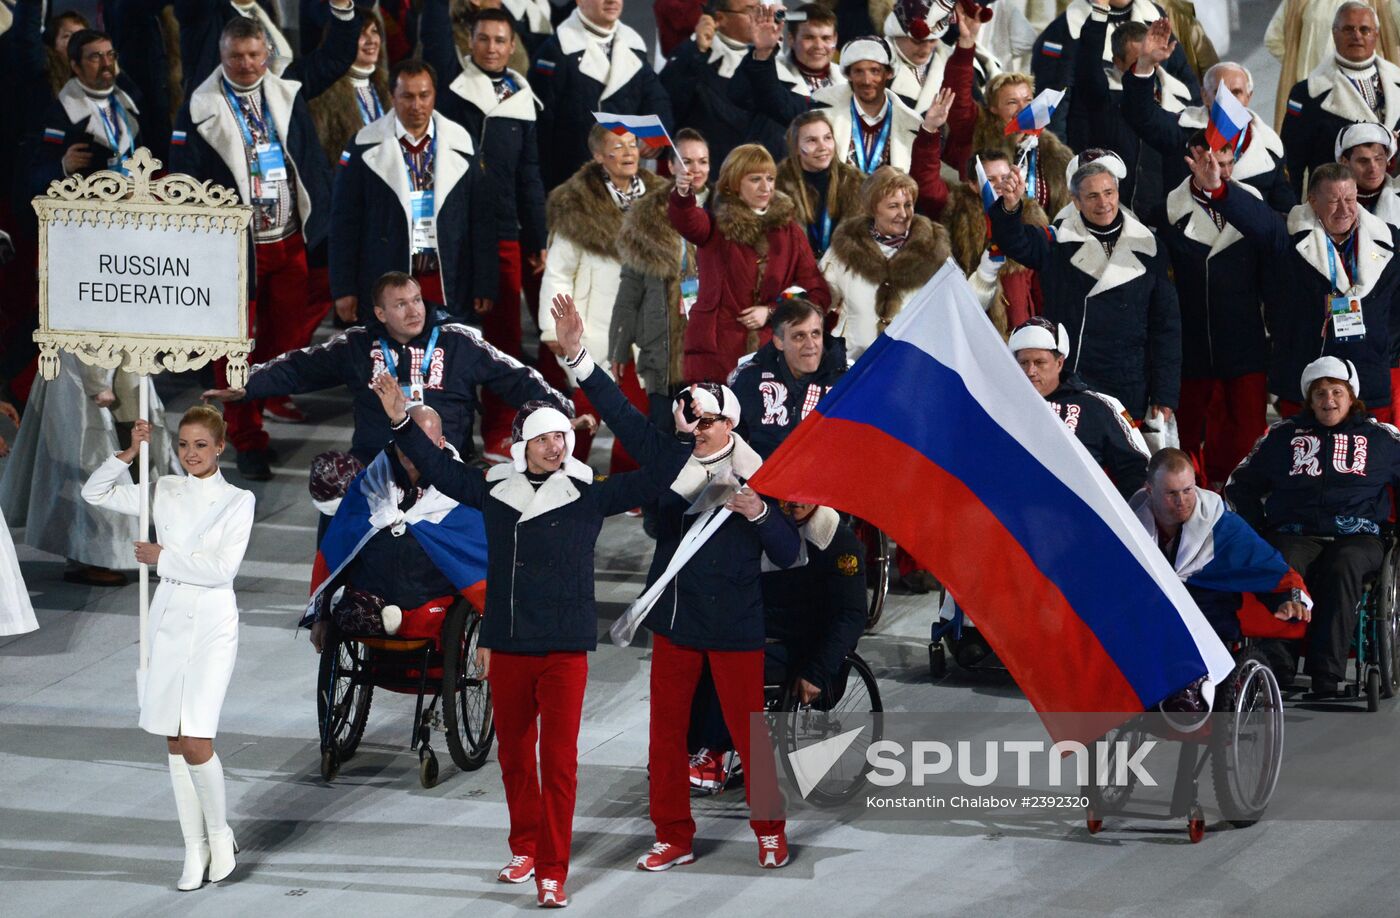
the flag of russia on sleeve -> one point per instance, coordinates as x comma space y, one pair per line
1036, 116
452, 535
646, 128
1228, 119
937, 437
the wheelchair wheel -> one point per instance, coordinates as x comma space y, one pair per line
879, 557
855, 696
1112, 799
1387, 627
1247, 749
466, 697
343, 695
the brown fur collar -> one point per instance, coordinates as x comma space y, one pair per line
648, 243
737, 222
917, 260
583, 212
337, 114
1053, 155
792, 184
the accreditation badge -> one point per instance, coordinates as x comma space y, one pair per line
1348, 322
424, 225
271, 161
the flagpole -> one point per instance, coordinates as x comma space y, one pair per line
144, 522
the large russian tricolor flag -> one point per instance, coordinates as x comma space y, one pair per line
937, 437
646, 128
451, 534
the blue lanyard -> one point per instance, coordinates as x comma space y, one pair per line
822, 242
1332, 265
112, 125
391, 363
864, 163
414, 175
245, 116
366, 112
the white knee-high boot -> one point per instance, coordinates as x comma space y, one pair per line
209, 784
191, 825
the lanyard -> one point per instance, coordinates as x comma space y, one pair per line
822, 242
248, 120
113, 125
391, 363
1332, 265
415, 175
367, 113
868, 163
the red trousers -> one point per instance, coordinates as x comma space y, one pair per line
281, 318
1386, 415
738, 677
539, 699
631, 386
319, 292
501, 328
1219, 420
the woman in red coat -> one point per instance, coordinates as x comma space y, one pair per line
749, 250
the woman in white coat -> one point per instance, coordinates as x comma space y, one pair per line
202, 527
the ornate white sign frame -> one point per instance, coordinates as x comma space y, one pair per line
110, 199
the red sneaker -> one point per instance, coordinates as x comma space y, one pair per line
707, 772
520, 869
284, 409
663, 857
552, 895
773, 850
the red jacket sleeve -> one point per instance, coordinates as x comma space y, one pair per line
690, 221
925, 166
962, 117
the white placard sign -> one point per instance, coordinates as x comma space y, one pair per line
147, 273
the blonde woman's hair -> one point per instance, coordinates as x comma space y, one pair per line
884, 182
205, 416
1002, 80
744, 160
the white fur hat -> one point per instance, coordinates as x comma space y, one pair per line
1331, 368
866, 48
716, 398
1112, 162
1037, 334
1354, 135
533, 419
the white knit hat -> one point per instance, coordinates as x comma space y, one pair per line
534, 419
1354, 135
1331, 368
865, 48
716, 398
1036, 334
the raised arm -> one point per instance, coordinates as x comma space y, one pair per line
319, 70
439, 47
1030, 245
110, 487
437, 466
690, 220
1254, 219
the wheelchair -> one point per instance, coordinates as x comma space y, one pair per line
958, 639
879, 558
353, 666
1376, 642
848, 702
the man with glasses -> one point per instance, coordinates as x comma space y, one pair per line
1354, 84
92, 125
698, 75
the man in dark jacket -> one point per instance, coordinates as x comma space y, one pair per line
783, 381
1337, 275
136, 30
1351, 85
543, 512
248, 129
202, 22
498, 108
395, 343
591, 63
698, 77
1258, 151
1057, 52
1098, 421
409, 196
1221, 279
1104, 278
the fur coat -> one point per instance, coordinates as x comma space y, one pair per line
647, 314
584, 225
791, 182
1008, 300
1053, 156
869, 289
337, 114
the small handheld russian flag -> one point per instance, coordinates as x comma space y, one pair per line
984, 185
1228, 119
1036, 116
646, 128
